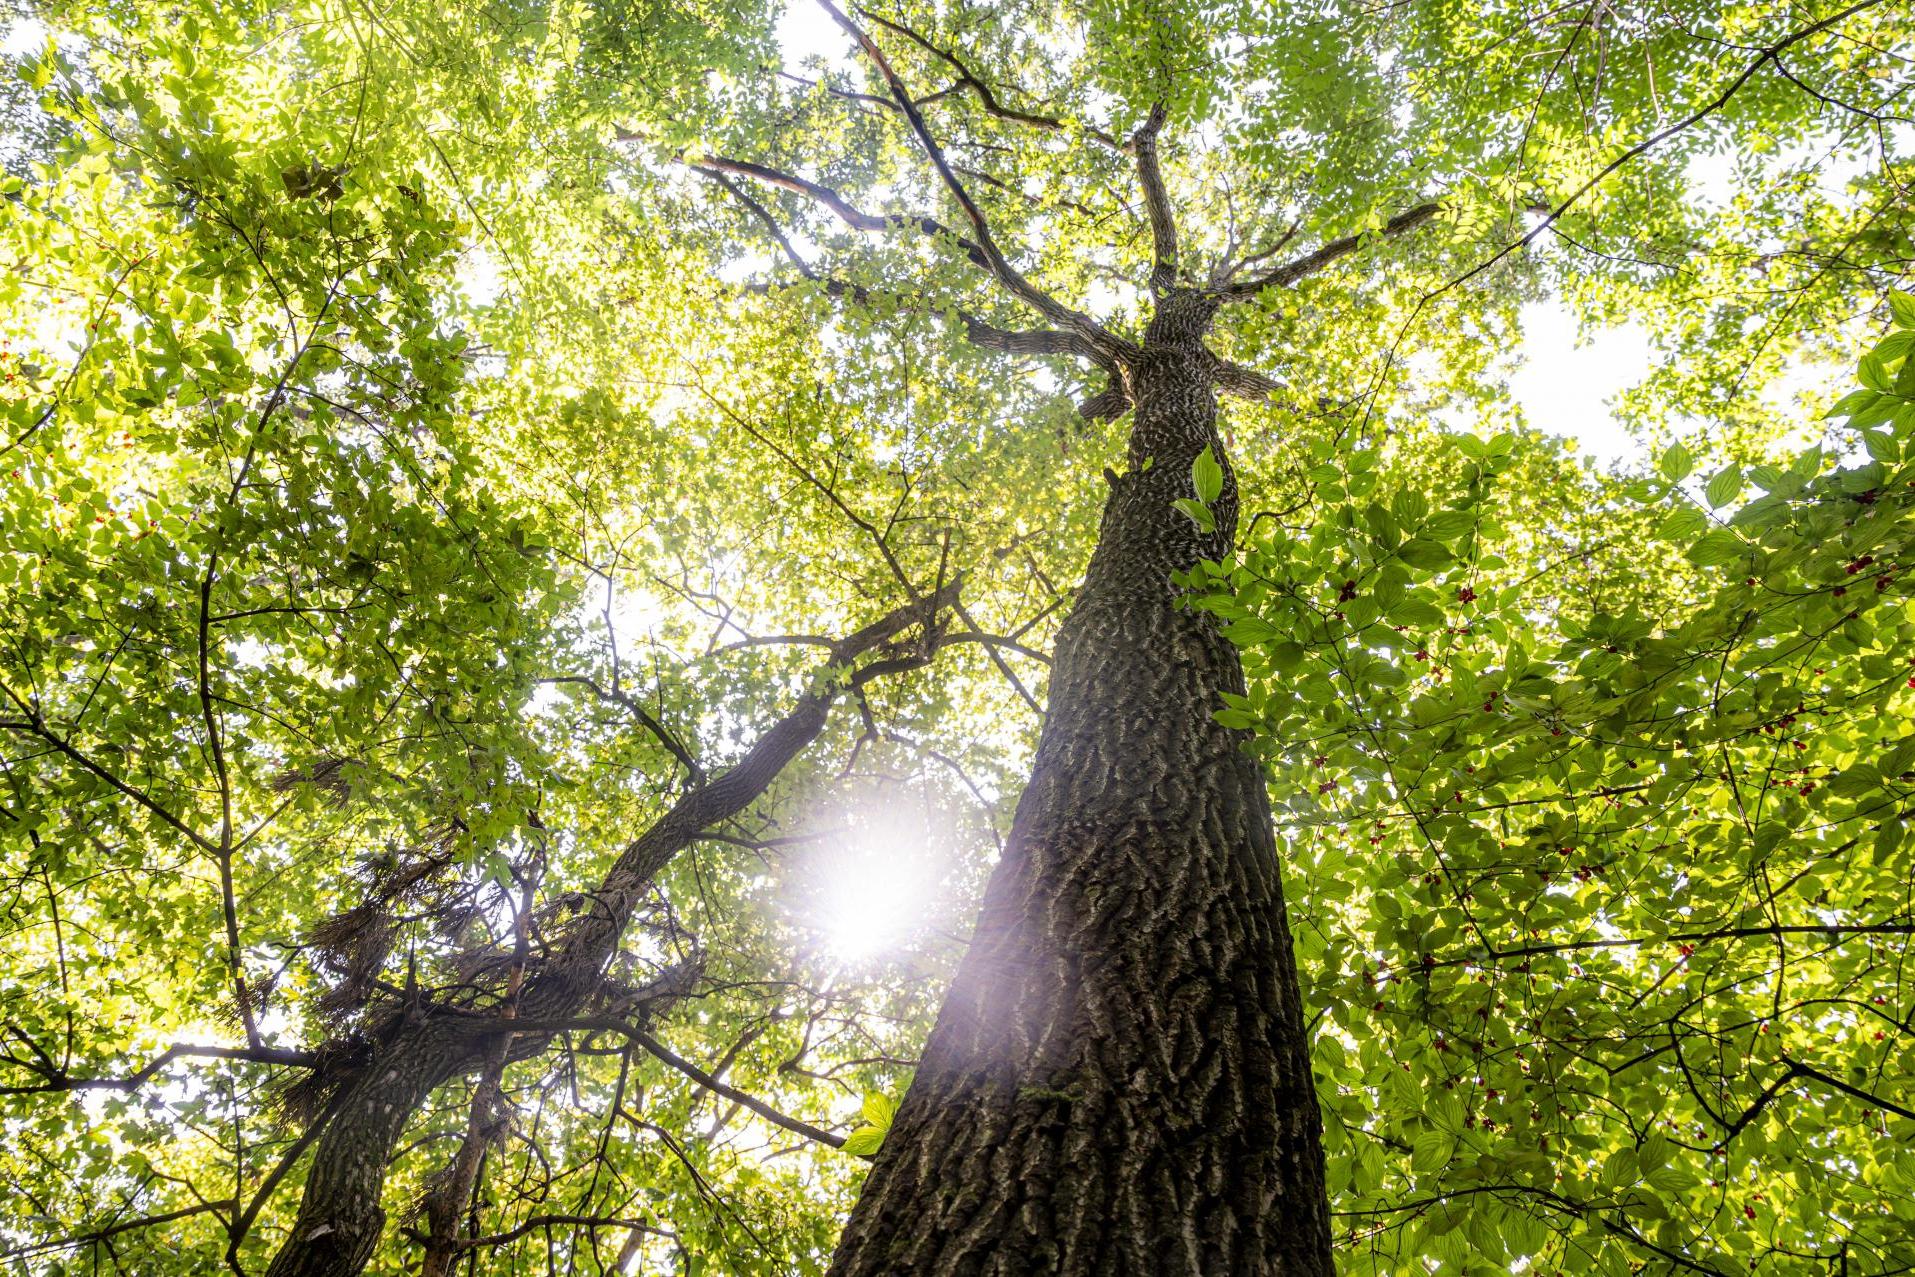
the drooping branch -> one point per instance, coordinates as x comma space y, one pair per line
110, 1231
652, 1046
1310, 263
36, 725
659, 732
770, 223
1163, 221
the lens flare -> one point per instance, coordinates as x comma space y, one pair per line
872, 887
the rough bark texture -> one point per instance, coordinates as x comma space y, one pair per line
1119, 1081
417, 1051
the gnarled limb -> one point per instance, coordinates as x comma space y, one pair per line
1245, 383
1108, 404
1041, 342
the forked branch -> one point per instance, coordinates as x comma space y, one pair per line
1000, 267
988, 99
852, 216
981, 334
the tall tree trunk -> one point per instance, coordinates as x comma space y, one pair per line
1119, 1081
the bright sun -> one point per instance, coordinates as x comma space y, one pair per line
871, 889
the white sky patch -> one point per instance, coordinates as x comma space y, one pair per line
477, 277
22, 37
637, 615
745, 267
806, 31
1565, 386
1712, 178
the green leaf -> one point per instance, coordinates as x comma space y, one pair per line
1683, 523
1902, 308
1197, 512
878, 1110
1717, 549
1250, 630
1207, 475
1882, 446
1873, 372
1425, 554
864, 1141
1675, 464
1417, 614
1723, 487
1430, 1152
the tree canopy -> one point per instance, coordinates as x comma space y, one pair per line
446, 445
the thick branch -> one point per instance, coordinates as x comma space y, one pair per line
1245, 383
1108, 404
340, 1218
1163, 221
1816, 1075
1043, 342
1303, 267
